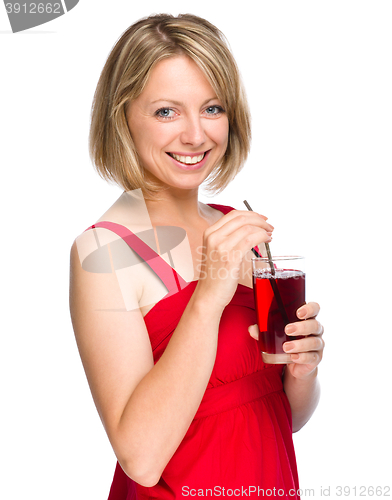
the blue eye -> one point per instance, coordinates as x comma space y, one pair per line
214, 110
166, 113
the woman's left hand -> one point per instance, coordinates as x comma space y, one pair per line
307, 352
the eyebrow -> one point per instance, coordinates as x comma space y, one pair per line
180, 103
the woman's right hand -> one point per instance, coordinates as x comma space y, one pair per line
225, 245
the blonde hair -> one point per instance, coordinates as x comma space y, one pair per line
125, 75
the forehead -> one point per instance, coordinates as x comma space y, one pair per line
177, 78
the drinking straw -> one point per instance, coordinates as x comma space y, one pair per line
266, 246
274, 285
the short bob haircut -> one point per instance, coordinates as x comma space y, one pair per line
124, 77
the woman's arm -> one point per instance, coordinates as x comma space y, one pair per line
303, 395
146, 409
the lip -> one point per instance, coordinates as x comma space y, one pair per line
196, 166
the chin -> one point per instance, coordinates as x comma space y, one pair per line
189, 182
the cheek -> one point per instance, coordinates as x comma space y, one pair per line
221, 132
145, 140
155, 136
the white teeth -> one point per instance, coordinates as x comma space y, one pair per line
188, 160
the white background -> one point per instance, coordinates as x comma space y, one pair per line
318, 77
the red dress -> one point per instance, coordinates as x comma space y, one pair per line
240, 440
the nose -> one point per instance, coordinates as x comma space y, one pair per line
193, 132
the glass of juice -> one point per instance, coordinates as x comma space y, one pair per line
279, 293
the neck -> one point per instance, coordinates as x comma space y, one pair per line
176, 205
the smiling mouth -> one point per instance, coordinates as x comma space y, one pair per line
188, 160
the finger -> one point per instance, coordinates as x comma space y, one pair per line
306, 358
309, 327
237, 218
254, 331
251, 218
308, 344
232, 249
309, 310
244, 239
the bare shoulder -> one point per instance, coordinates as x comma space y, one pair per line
129, 210
102, 258
105, 273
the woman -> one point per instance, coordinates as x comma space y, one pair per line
185, 398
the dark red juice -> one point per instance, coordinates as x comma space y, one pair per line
271, 317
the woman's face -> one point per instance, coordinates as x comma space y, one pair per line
178, 125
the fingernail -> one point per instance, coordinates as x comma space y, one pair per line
290, 329
288, 346
301, 313
294, 357
263, 216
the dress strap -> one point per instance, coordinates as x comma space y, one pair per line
169, 276
225, 209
